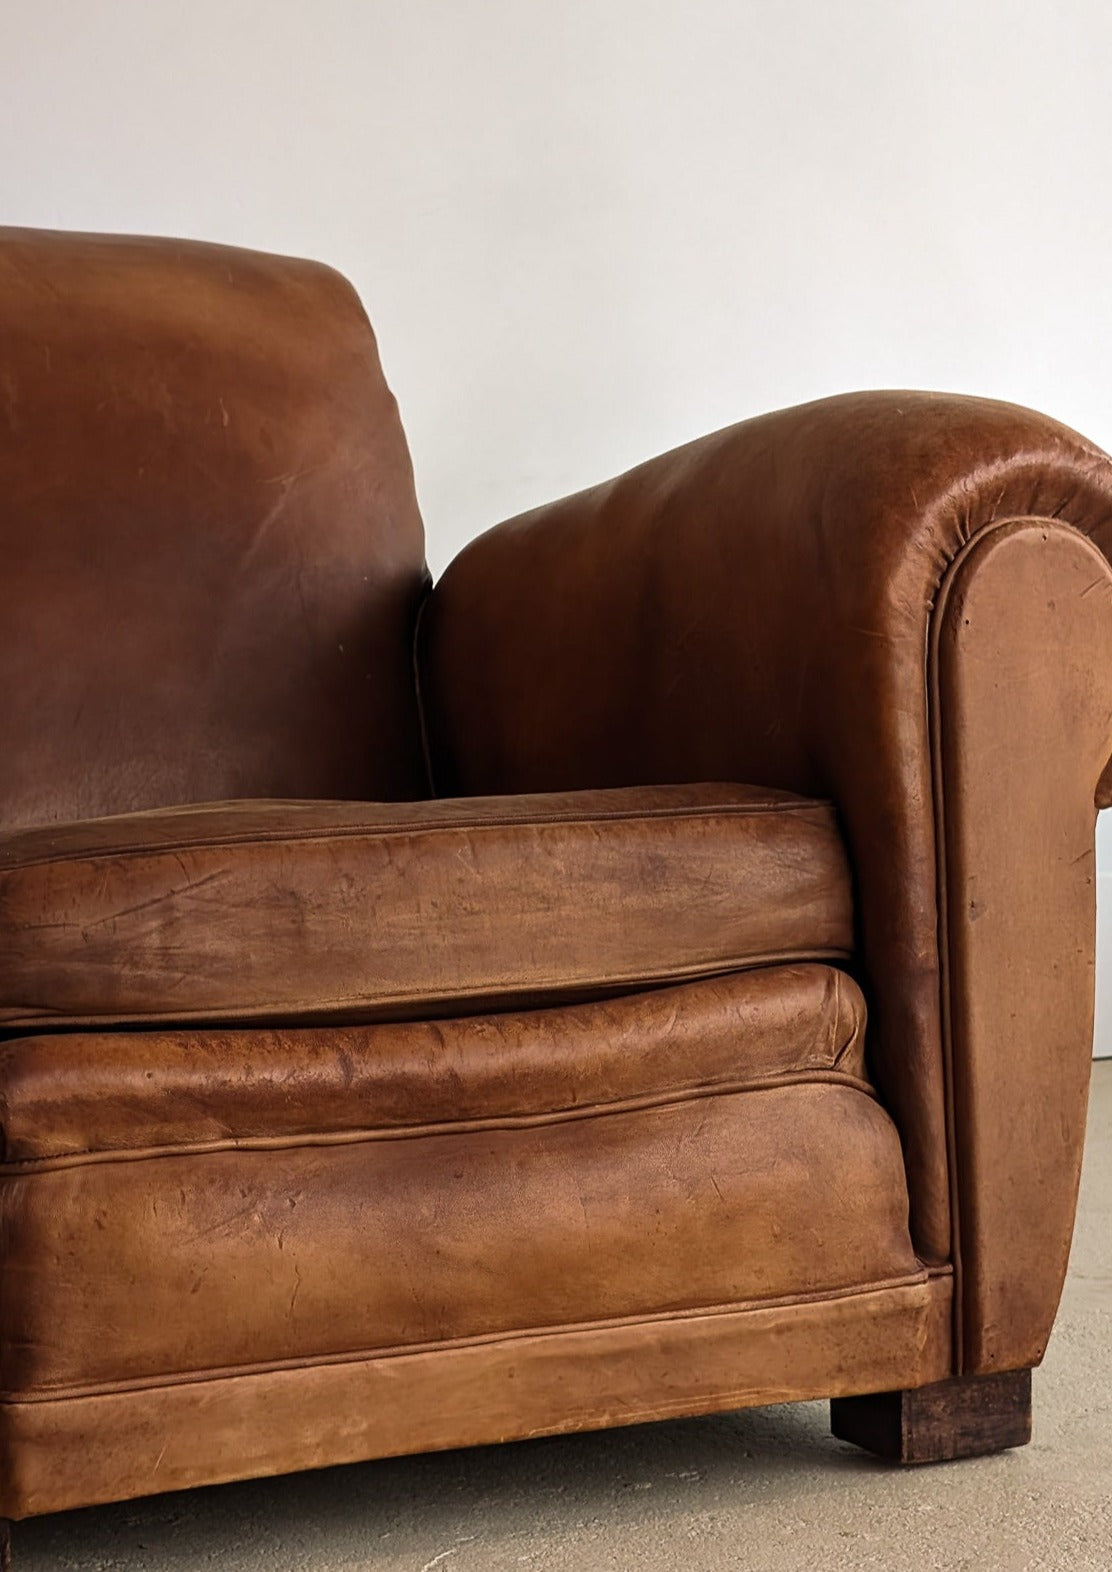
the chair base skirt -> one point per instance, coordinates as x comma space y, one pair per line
968, 1417
78, 1450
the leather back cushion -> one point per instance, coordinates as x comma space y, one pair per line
212, 554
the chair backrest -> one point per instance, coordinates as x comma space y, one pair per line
212, 557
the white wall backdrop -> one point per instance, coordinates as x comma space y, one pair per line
589, 230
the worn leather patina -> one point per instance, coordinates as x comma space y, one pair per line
647, 975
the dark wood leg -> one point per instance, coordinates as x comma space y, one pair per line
968, 1417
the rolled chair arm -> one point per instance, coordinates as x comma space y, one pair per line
779, 604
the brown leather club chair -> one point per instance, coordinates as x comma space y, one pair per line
393, 1062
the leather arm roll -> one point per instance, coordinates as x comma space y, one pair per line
890, 599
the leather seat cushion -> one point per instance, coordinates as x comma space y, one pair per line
202, 1202
274, 911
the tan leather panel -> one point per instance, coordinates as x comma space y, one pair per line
75, 1451
1023, 664
213, 557
244, 1259
755, 606
76, 1094
288, 911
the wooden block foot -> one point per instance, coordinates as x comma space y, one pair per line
967, 1417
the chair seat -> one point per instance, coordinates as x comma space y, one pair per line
284, 912
261, 1199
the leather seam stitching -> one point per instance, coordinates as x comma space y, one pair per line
815, 807
17, 1167
77, 1391
316, 1013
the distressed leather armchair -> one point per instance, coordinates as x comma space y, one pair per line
672, 991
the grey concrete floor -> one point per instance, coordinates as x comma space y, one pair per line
764, 1490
